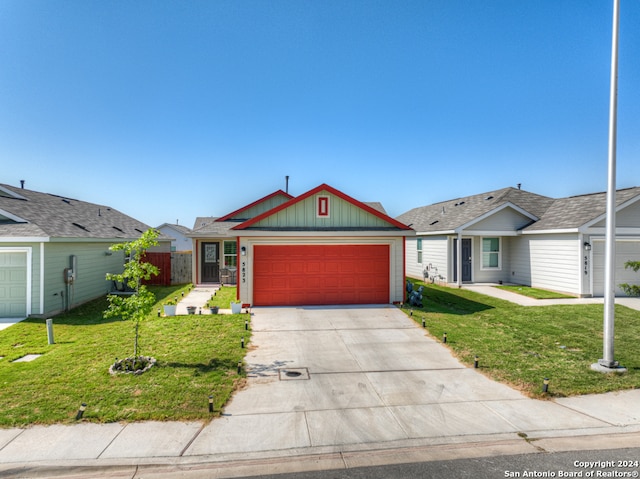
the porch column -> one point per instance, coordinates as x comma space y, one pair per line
459, 262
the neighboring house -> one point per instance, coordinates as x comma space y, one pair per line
514, 236
54, 251
180, 242
322, 247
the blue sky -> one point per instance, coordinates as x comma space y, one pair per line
170, 110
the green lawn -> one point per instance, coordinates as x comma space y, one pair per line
521, 345
223, 297
197, 356
533, 292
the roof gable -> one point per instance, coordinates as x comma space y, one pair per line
507, 217
257, 207
342, 212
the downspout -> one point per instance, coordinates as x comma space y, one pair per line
459, 262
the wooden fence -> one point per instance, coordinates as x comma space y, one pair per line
163, 262
181, 267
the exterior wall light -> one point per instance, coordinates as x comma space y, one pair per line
587, 246
243, 251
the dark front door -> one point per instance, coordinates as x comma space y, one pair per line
210, 257
466, 259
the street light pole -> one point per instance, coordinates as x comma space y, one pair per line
608, 363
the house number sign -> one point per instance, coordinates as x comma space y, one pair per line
586, 264
244, 272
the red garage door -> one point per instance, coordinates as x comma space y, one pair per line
320, 274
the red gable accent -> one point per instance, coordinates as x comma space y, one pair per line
257, 202
318, 189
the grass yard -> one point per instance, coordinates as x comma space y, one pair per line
223, 297
197, 356
521, 346
533, 292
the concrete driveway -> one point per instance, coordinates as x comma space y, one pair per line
364, 376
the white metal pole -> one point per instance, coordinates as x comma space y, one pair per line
610, 241
459, 263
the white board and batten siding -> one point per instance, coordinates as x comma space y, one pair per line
550, 262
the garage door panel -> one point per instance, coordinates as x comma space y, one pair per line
625, 251
321, 274
13, 284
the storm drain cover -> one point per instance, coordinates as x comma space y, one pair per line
288, 374
27, 358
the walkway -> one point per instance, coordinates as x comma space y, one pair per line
491, 290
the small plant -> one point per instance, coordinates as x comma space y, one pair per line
171, 302
631, 289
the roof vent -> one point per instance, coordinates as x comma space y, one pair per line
119, 229
490, 197
433, 223
80, 226
66, 201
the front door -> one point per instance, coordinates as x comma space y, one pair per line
210, 256
466, 259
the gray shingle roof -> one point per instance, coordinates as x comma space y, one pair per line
208, 226
48, 215
452, 214
376, 205
553, 214
575, 211
180, 228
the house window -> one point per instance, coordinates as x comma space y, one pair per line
419, 248
491, 254
230, 249
323, 207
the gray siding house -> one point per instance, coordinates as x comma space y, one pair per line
514, 236
54, 251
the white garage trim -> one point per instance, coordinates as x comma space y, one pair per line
27, 251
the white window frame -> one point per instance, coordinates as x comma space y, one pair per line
419, 250
499, 253
225, 255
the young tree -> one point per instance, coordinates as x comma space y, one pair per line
139, 304
631, 289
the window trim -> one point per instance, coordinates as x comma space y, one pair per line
498, 253
233, 255
419, 250
323, 207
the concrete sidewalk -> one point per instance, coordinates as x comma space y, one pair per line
491, 290
333, 387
